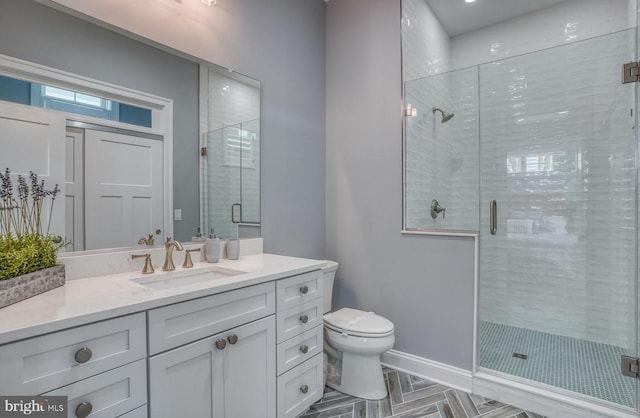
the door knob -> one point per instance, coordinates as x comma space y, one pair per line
304, 349
221, 344
304, 388
232, 339
304, 290
304, 319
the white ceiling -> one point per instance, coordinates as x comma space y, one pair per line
458, 17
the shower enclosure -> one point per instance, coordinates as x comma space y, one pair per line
540, 160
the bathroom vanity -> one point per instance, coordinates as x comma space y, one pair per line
234, 339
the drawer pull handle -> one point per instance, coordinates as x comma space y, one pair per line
304, 388
304, 349
84, 409
83, 355
304, 319
232, 339
221, 344
304, 290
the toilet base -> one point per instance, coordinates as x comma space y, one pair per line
361, 376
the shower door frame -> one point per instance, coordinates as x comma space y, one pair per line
538, 396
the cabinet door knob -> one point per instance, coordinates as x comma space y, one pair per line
233, 338
304, 319
83, 355
221, 344
304, 290
84, 409
304, 349
304, 388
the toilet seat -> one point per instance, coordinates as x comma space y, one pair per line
358, 323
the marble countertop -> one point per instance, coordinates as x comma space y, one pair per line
94, 299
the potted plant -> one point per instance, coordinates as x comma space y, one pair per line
28, 253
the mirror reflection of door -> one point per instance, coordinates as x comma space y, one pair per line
123, 189
32, 140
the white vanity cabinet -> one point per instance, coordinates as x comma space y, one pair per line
101, 367
300, 342
229, 374
249, 348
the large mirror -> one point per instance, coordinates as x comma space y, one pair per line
153, 142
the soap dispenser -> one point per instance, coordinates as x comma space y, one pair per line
212, 248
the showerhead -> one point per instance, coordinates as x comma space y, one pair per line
446, 116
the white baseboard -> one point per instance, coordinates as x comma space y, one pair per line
432, 370
542, 401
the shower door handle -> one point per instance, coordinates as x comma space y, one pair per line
233, 213
493, 217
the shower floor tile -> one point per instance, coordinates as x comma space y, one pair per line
413, 397
580, 366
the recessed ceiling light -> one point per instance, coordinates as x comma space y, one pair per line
469, 1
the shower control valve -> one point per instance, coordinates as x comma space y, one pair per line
436, 209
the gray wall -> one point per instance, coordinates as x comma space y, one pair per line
282, 44
423, 284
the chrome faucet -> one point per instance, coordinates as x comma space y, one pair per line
436, 209
168, 259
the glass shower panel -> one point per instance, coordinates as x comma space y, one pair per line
250, 171
441, 151
558, 280
222, 180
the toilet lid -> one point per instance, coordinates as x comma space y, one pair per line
355, 322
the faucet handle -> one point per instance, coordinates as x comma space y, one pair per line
148, 267
187, 258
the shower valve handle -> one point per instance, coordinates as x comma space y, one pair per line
436, 209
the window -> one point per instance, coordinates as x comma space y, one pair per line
70, 101
238, 146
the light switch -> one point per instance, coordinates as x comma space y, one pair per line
177, 215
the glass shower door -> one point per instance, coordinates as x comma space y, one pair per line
222, 181
558, 278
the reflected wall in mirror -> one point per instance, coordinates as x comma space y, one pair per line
124, 70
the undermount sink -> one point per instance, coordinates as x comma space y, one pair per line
173, 279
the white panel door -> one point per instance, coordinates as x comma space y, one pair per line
32, 139
74, 192
123, 189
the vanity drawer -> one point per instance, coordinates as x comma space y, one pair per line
298, 349
296, 290
300, 387
40, 364
182, 323
110, 394
299, 319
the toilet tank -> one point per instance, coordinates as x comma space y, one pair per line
329, 273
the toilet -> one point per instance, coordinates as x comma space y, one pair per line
353, 343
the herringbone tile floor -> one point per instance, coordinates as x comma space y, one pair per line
413, 397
